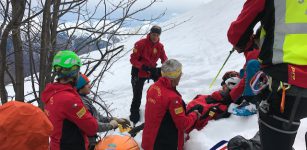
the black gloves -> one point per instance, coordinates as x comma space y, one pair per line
155, 73
211, 100
123, 122
197, 107
136, 130
149, 69
146, 68
224, 114
213, 111
226, 98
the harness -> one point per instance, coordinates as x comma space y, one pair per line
267, 83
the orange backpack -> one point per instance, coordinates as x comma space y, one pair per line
117, 142
24, 127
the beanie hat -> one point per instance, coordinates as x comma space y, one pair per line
82, 81
156, 29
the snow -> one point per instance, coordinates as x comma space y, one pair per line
201, 45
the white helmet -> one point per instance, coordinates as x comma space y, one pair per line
232, 82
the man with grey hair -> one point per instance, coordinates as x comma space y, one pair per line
165, 113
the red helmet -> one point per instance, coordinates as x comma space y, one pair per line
117, 142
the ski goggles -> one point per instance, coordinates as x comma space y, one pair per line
67, 72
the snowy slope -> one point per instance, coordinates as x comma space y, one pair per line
201, 45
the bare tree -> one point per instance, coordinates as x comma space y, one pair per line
18, 9
4, 30
35, 28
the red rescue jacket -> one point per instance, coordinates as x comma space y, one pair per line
71, 120
165, 117
147, 53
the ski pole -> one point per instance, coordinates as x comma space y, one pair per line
231, 51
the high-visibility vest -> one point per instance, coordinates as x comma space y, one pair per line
290, 32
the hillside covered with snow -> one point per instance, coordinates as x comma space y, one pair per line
201, 45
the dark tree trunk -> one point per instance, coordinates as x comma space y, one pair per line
45, 47
18, 9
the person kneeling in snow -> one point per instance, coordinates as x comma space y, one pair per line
165, 113
213, 106
104, 123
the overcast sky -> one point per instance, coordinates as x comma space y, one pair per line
174, 7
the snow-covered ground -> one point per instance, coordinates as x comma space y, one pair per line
201, 45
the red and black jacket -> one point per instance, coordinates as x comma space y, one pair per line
165, 118
147, 53
207, 113
71, 120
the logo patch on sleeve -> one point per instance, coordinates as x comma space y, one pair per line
211, 113
155, 51
135, 50
178, 110
81, 112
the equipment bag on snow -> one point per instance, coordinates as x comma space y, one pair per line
23, 127
117, 142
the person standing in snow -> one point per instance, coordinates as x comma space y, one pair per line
165, 113
106, 123
144, 57
71, 120
284, 56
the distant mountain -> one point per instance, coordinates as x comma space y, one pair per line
76, 43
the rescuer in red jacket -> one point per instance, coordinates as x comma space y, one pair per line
165, 113
71, 120
284, 60
146, 53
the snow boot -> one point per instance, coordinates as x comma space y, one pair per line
240, 143
135, 117
245, 109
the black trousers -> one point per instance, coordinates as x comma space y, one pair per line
276, 129
137, 87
